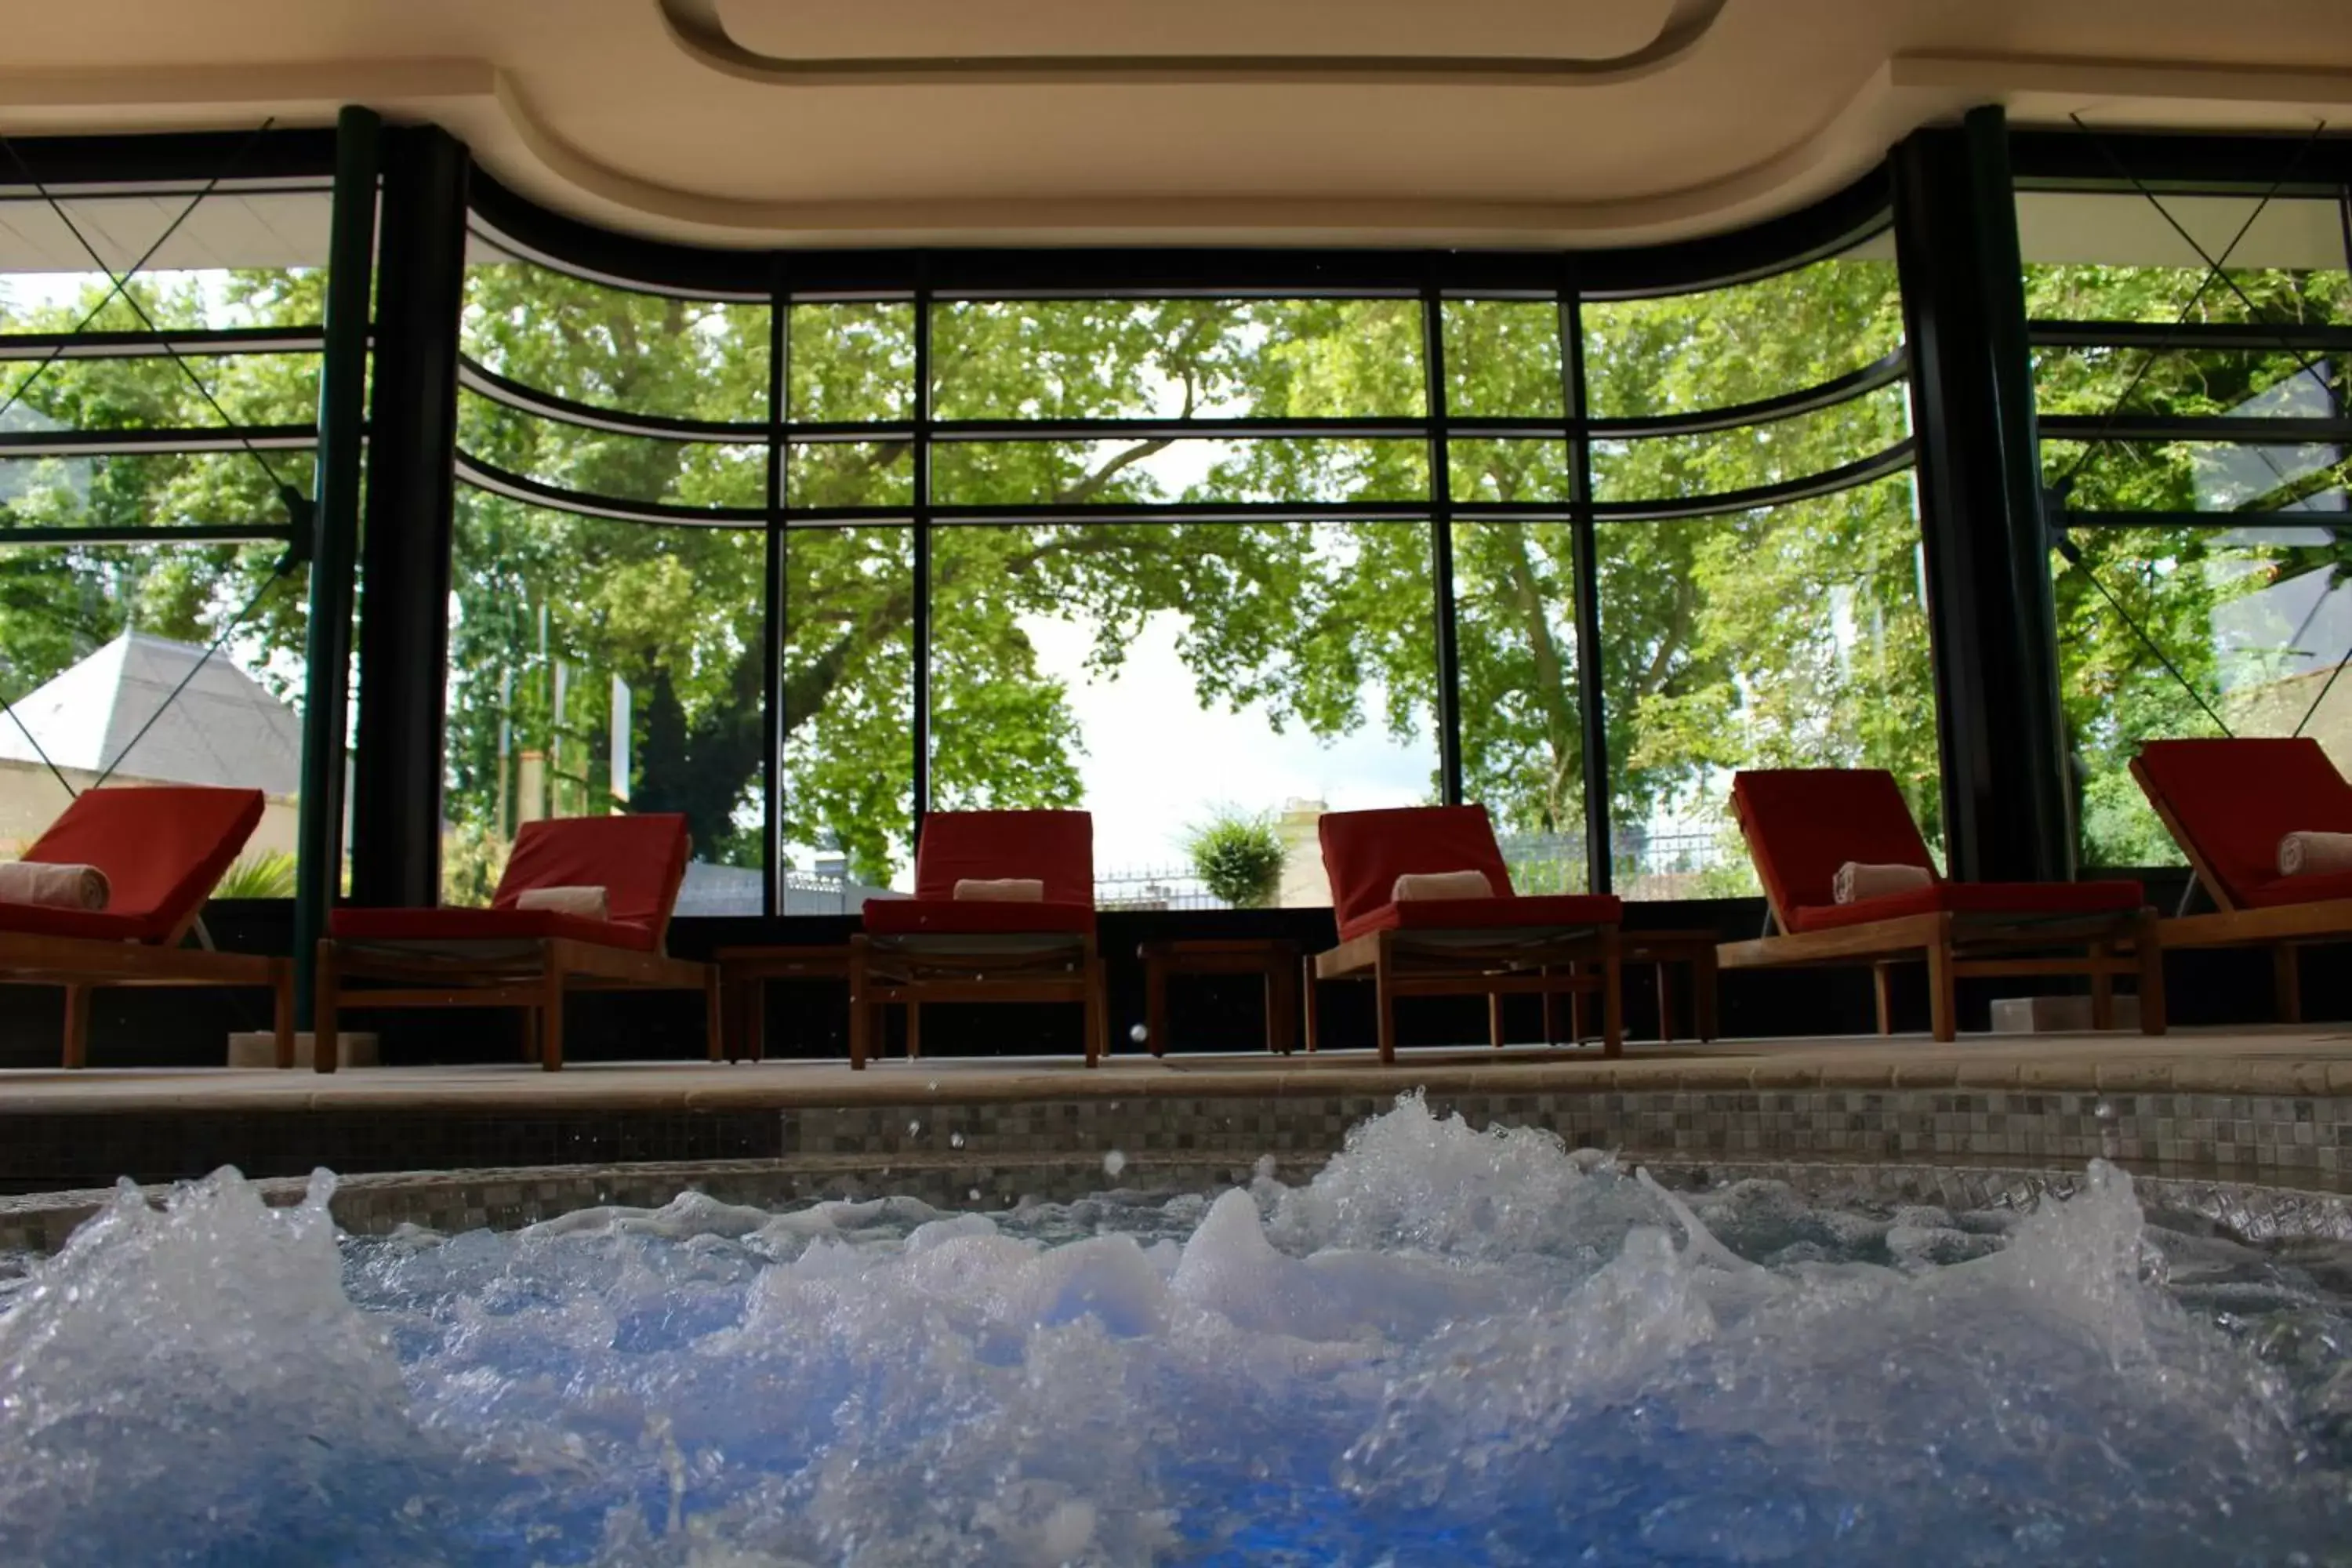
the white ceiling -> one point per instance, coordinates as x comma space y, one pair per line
1334, 121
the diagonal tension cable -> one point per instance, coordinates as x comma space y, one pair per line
146, 255
2074, 555
173, 353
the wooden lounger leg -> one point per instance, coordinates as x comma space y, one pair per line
1665, 1002
1702, 987
1550, 1013
914, 1031
551, 1013
2287, 982
77, 1044
1281, 1009
2150, 952
1314, 1002
2102, 987
1383, 999
1882, 986
1943, 998
1612, 998
1495, 1019
714, 1017
281, 1010
861, 1013
326, 1009
1155, 1005
1097, 1009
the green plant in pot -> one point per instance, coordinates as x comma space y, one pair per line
1238, 856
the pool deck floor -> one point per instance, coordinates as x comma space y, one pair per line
2303, 1060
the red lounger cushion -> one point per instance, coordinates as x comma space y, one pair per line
1057, 847
163, 851
2300, 891
1364, 853
1802, 824
2027, 900
87, 925
639, 861
1545, 912
426, 927
2235, 799
970, 917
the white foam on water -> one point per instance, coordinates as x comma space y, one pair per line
1448, 1346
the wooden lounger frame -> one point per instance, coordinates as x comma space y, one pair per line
889, 972
1957, 947
2285, 929
1399, 965
81, 965
534, 975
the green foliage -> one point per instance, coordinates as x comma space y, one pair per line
1238, 856
473, 858
269, 875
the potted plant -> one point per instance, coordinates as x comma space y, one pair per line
1238, 856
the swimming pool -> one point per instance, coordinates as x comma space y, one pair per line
1448, 1346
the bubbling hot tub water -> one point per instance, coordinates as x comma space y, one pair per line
1450, 1347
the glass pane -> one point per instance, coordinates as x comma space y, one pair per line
1723, 460
165, 491
1685, 352
598, 667
158, 394
645, 354
849, 724
849, 473
1101, 359
93, 642
1791, 637
1083, 473
2255, 621
2180, 382
1522, 744
851, 362
1508, 470
2198, 476
2114, 256
1100, 665
1502, 358
599, 462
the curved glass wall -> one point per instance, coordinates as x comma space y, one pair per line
1183, 559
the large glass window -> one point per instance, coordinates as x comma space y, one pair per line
1165, 676
151, 628
2194, 453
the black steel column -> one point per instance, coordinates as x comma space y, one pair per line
1441, 548
335, 488
1991, 615
775, 723
411, 499
1584, 566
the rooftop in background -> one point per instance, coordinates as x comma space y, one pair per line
224, 729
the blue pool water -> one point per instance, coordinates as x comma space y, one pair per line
1450, 1347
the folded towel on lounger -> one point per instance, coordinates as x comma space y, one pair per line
587, 903
1000, 889
2315, 854
55, 886
1856, 882
1416, 884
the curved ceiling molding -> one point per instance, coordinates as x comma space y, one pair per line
700, 30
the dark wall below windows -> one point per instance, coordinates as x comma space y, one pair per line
188, 1028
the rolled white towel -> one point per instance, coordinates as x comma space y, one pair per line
2315, 854
1418, 885
55, 887
1000, 891
1857, 882
586, 903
